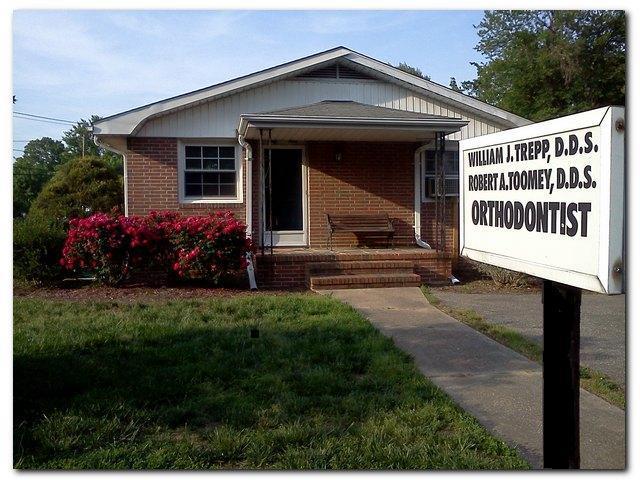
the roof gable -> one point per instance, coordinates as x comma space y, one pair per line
323, 63
336, 70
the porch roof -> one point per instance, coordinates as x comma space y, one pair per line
347, 120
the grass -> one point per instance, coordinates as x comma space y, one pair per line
591, 380
182, 385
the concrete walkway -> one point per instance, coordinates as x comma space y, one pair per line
498, 386
602, 323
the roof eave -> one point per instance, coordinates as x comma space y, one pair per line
279, 121
130, 121
436, 89
145, 112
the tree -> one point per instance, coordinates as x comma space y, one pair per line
545, 63
33, 170
453, 85
79, 142
80, 187
405, 67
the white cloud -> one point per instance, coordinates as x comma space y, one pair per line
141, 23
350, 22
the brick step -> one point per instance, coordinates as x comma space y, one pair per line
369, 280
358, 267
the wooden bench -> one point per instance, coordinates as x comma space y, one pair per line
378, 225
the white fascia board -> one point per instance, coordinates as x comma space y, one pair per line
127, 122
447, 94
274, 121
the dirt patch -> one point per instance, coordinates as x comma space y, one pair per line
137, 293
489, 286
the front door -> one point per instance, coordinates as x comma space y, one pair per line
284, 188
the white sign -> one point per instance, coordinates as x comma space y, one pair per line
547, 199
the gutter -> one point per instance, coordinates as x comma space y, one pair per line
248, 205
124, 169
271, 121
248, 194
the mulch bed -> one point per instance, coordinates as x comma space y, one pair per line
134, 293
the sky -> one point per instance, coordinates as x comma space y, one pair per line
73, 64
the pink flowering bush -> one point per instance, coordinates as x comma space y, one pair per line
194, 247
204, 247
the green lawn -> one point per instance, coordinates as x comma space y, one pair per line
182, 385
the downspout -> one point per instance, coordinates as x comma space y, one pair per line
417, 199
249, 206
124, 170
248, 188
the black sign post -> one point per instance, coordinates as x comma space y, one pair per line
561, 376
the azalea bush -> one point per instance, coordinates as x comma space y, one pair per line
203, 247
192, 247
110, 245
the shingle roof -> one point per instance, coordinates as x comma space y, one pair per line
350, 109
341, 116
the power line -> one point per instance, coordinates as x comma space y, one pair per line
51, 122
40, 120
31, 115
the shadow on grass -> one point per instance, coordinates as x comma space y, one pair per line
183, 385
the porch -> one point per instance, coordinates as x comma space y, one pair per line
349, 267
340, 158
343, 158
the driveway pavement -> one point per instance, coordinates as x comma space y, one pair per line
602, 323
499, 387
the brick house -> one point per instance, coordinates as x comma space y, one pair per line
287, 148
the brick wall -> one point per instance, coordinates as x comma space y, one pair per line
289, 270
429, 226
369, 178
152, 175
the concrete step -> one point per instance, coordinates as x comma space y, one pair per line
367, 280
358, 267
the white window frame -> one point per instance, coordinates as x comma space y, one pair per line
449, 146
238, 198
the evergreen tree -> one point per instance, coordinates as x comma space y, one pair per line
405, 67
80, 187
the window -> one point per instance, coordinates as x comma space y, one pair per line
209, 173
451, 172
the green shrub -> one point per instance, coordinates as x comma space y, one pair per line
37, 247
79, 188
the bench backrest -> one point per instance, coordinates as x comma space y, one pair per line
356, 222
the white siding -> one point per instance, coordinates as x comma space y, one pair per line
219, 118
